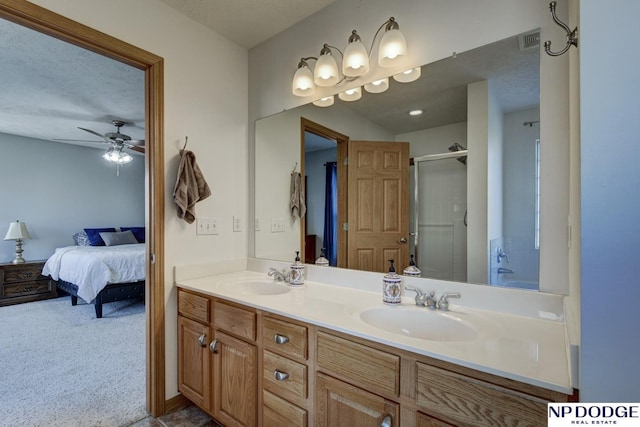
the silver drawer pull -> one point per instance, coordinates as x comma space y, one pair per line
213, 347
202, 340
387, 421
280, 339
279, 375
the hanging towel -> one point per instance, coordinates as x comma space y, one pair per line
297, 205
190, 188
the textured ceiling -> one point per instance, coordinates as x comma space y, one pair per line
247, 22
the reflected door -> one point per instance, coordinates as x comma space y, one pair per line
378, 205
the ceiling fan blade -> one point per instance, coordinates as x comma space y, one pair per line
95, 133
136, 148
139, 142
77, 140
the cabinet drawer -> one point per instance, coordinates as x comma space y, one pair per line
22, 273
234, 320
193, 306
470, 402
285, 338
27, 288
364, 365
278, 412
296, 375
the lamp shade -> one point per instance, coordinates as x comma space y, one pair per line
377, 86
393, 48
408, 76
327, 101
356, 59
17, 230
303, 81
351, 94
326, 70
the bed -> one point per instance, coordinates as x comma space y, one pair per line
99, 274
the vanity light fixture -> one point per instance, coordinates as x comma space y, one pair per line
408, 76
415, 112
377, 86
355, 60
351, 94
327, 101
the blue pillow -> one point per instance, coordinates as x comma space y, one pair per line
137, 231
94, 235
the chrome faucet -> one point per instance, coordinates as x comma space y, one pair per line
443, 302
501, 254
279, 276
504, 270
423, 299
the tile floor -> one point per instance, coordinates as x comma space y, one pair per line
188, 417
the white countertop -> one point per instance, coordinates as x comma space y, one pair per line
523, 348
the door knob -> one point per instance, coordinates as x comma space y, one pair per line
403, 240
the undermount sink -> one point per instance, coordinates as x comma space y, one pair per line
420, 323
257, 287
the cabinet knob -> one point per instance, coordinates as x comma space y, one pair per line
387, 421
202, 340
213, 347
279, 375
280, 339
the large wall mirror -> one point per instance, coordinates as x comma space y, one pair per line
472, 175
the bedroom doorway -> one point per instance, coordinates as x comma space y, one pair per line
57, 26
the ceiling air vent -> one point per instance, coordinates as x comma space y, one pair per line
529, 40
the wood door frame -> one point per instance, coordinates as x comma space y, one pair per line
307, 125
44, 21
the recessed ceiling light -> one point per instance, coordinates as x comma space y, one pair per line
415, 112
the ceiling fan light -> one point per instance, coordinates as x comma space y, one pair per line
356, 59
326, 70
377, 86
393, 46
302, 84
350, 95
327, 101
408, 76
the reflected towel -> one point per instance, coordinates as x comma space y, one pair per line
297, 205
190, 188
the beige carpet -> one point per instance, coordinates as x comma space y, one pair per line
60, 366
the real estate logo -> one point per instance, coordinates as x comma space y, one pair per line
575, 414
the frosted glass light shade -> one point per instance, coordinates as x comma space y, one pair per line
408, 76
351, 94
327, 101
17, 230
326, 71
377, 86
302, 84
393, 48
117, 156
356, 60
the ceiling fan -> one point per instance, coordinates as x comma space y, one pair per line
117, 140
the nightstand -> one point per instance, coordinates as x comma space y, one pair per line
24, 283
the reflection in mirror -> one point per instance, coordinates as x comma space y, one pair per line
472, 218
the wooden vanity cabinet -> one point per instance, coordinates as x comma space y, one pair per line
268, 370
217, 358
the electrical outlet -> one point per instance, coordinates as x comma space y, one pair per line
277, 225
237, 224
257, 224
206, 226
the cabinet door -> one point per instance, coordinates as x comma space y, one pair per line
193, 361
341, 404
235, 379
424, 420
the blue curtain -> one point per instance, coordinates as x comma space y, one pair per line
331, 214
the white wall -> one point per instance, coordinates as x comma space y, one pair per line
434, 30
205, 98
59, 189
609, 106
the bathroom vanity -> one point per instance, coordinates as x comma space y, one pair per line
253, 351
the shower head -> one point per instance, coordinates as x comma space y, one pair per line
457, 147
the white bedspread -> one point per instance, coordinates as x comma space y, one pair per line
91, 268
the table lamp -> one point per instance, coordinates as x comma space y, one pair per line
18, 231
